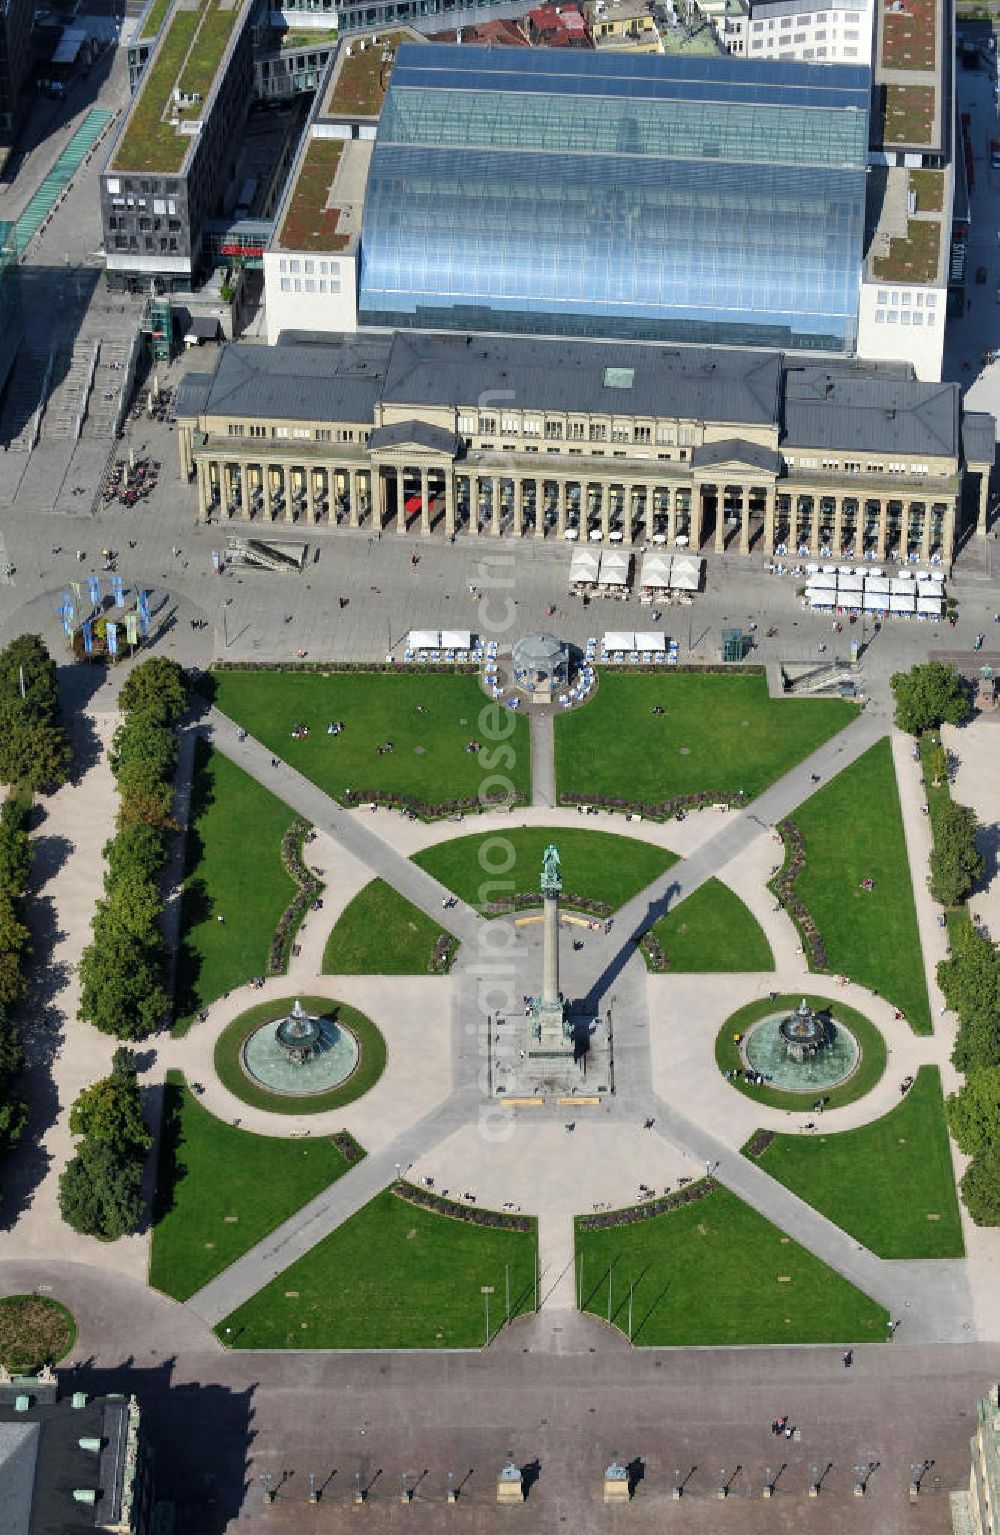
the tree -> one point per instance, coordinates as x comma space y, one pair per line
100, 1191
111, 1110
15, 940
928, 696
34, 753
144, 796
974, 1111
13, 1110
957, 865
26, 663
970, 981
156, 688
122, 989
15, 852
141, 739
138, 852
133, 907
981, 1186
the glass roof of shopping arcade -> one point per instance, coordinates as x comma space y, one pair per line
702, 199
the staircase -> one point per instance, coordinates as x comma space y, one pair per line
265, 555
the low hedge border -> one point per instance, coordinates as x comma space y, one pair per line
424, 810
229, 1049
631, 1215
527, 900
290, 920
471, 1214
665, 810
869, 1070
783, 887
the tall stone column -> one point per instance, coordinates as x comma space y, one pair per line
561, 509
770, 497
265, 484
745, 521
288, 485
310, 495
400, 474
518, 490
551, 1034
202, 494
984, 506
605, 488
697, 518
378, 493
244, 491
495, 509
550, 949
883, 521
817, 518
425, 503
925, 537
474, 505
720, 519
449, 501
838, 526
540, 502
353, 517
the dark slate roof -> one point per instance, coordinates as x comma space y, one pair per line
421, 433
192, 392
737, 449
335, 382
856, 407
979, 437
60, 1466
716, 385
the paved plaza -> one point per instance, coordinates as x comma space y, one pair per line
558, 1389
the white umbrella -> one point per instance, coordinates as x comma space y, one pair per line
595, 535
682, 540
616, 537
571, 533
659, 538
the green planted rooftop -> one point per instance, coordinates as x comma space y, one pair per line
187, 59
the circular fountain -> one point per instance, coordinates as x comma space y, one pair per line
801, 1051
301, 1054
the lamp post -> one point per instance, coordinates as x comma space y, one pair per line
486, 1291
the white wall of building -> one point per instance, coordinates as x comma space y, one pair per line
903, 324
310, 291
805, 30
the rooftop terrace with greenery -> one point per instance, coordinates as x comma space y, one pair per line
309, 224
915, 257
187, 59
361, 77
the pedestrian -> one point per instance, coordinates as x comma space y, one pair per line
220, 918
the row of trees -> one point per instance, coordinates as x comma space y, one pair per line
15, 947
34, 747
123, 971
100, 1189
970, 981
928, 696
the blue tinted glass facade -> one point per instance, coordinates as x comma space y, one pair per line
705, 200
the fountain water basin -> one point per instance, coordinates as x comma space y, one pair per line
803, 1051
300, 1054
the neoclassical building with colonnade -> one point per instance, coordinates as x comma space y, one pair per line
495, 436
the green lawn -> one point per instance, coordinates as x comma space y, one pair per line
715, 1273
380, 932
220, 1190
596, 865
392, 1276
853, 830
868, 1071
229, 1065
429, 757
712, 930
718, 735
889, 1183
233, 868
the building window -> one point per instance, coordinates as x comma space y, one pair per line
235, 429
880, 317
578, 430
687, 435
467, 424
553, 429
285, 284
257, 430
323, 434
851, 467
667, 434
531, 427
598, 431
301, 431
487, 424
509, 424
619, 434
643, 434
279, 431
309, 283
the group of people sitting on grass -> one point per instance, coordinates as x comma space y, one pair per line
335, 727
384, 749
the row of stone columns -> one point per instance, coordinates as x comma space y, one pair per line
212, 474
923, 534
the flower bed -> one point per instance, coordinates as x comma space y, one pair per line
527, 900
758, 1144
350, 1149
425, 810
309, 888
665, 810
332, 668
631, 1215
428, 1200
783, 886
444, 952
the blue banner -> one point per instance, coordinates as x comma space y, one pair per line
142, 605
118, 588
88, 637
94, 589
112, 633
67, 624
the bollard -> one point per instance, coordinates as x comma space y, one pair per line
768, 1490
859, 1489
